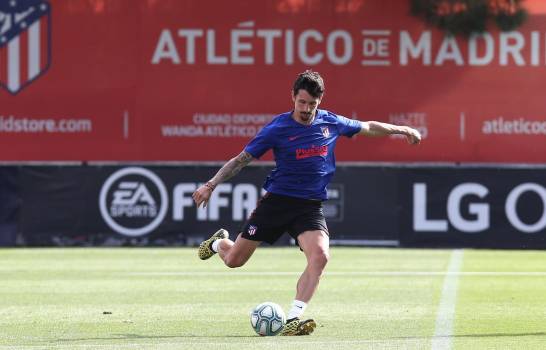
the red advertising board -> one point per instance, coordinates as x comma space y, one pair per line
194, 80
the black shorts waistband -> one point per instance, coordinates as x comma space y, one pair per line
285, 198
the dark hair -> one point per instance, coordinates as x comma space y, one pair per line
311, 82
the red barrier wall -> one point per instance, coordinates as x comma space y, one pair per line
194, 79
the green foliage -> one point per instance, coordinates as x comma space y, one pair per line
465, 17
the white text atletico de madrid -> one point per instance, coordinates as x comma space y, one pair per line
247, 45
336, 46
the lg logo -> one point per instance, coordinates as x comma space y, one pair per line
133, 201
480, 210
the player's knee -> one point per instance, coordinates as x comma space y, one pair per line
320, 259
234, 261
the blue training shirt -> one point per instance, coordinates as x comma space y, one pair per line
304, 154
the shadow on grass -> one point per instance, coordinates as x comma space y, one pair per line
140, 336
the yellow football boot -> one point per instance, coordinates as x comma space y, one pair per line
205, 249
295, 326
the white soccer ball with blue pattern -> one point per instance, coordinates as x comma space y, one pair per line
267, 319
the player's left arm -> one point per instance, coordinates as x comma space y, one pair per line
376, 129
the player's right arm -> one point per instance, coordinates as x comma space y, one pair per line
229, 170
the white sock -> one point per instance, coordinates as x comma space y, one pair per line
298, 307
214, 245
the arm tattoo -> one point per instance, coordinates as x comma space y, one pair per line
232, 167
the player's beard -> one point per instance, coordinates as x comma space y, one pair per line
305, 117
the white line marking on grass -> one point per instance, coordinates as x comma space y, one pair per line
443, 332
340, 273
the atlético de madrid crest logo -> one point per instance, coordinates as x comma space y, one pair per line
24, 42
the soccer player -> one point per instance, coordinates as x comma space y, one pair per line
303, 142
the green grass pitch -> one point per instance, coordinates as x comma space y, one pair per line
123, 298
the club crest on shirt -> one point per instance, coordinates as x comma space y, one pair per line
252, 229
325, 131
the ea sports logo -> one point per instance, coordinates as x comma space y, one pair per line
133, 201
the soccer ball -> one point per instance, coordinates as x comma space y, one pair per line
267, 319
